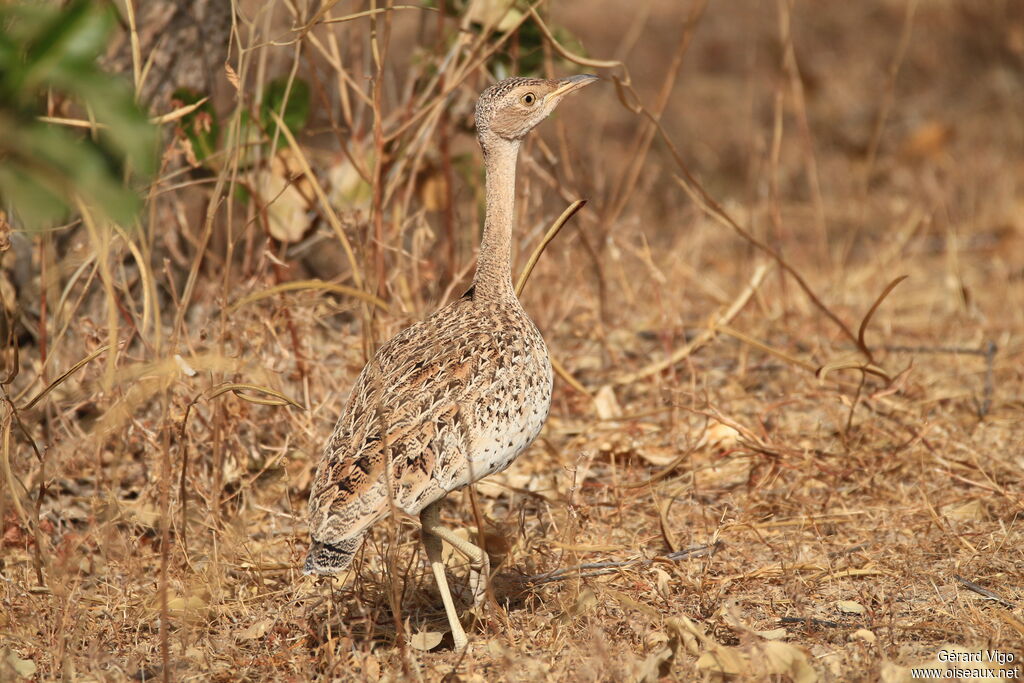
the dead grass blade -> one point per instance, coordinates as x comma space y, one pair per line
871, 311
238, 389
8, 473
852, 572
644, 137
325, 204
72, 123
557, 366
704, 337
712, 208
297, 285
868, 367
666, 529
761, 346
150, 302
60, 380
564, 52
366, 13
708, 204
178, 113
461, 72
851, 364
552, 232
662, 473
100, 239
169, 117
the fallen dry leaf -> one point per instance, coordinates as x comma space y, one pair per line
788, 660
850, 607
285, 206
720, 436
426, 640
584, 603
971, 511
863, 634
606, 405
255, 630
25, 668
725, 661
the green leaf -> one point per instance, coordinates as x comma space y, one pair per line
20, 21
45, 158
74, 35
37, 206
46, 47
295, 111
128, 131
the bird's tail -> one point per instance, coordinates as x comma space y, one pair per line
324, 558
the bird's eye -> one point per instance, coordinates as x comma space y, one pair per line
529, 98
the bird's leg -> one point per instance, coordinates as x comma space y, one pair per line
479, 562
430, 521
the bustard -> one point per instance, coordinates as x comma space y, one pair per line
453, 398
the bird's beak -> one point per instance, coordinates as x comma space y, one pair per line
571, 84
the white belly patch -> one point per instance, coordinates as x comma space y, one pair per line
502, 434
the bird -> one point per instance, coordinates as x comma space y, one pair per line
452, 398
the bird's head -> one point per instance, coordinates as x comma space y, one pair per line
510, 109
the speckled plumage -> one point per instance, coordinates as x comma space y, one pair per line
447, 401
453, 398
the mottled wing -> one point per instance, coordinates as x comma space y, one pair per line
405, 423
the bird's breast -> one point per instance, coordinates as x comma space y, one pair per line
512, 410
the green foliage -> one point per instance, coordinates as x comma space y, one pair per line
294, 112
523, 53
529, 41
201, 126
43, 166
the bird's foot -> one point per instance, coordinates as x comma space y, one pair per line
479, 573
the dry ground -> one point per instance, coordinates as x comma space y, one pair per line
839, 500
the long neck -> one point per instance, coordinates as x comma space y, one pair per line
493, 279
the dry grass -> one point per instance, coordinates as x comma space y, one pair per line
845, 480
